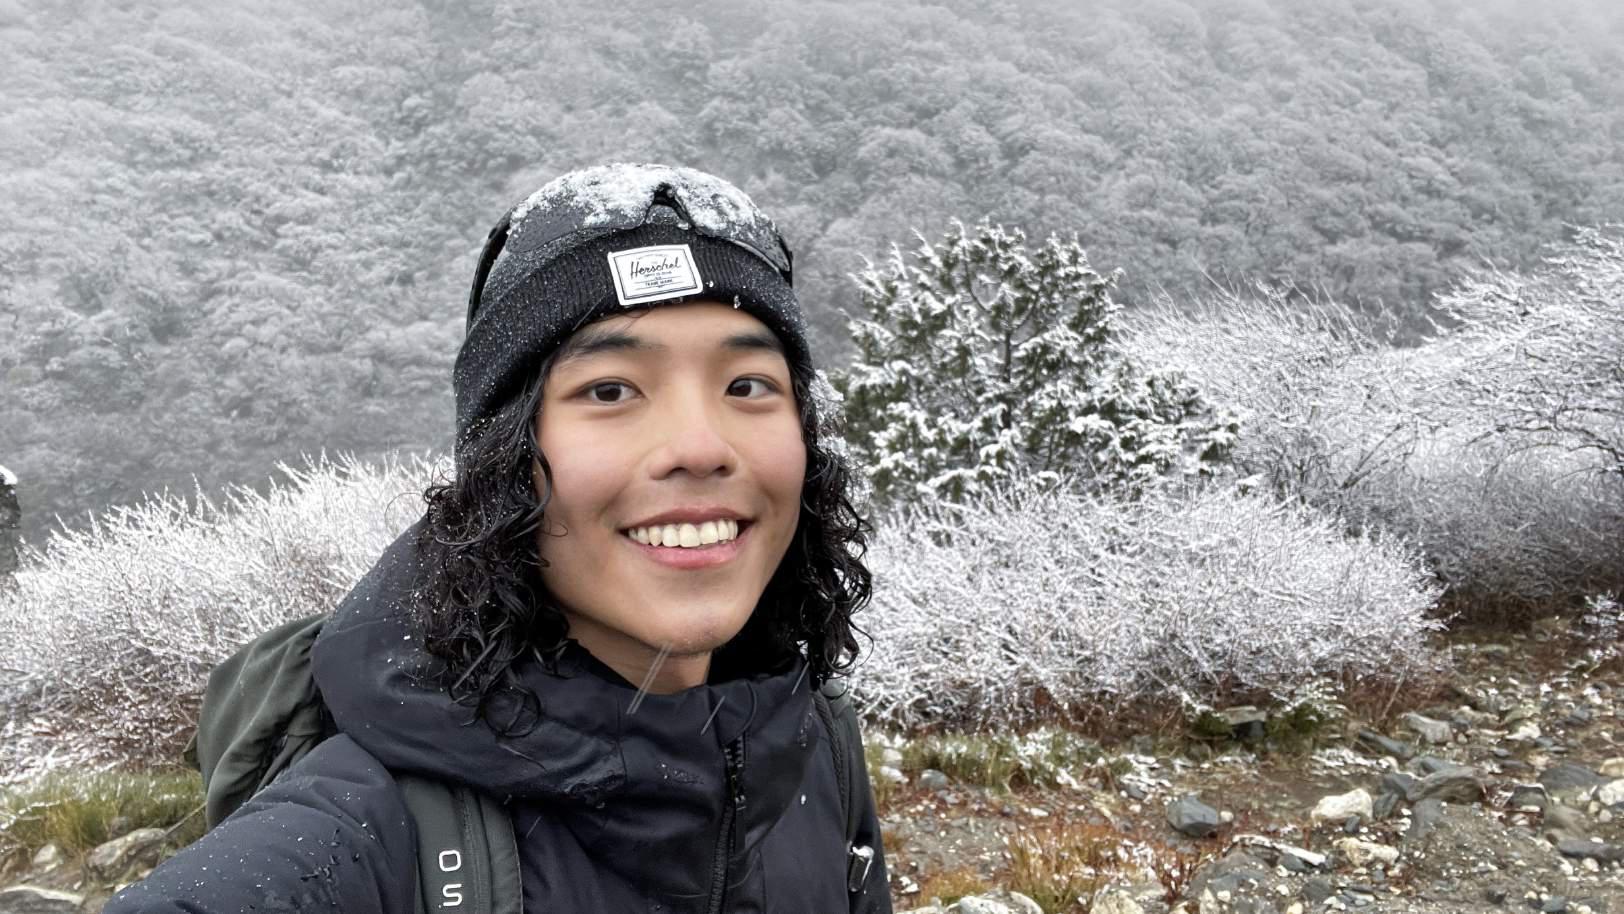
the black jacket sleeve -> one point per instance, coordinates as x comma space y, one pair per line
331, 834
876, 895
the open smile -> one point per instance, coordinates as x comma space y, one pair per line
711, 547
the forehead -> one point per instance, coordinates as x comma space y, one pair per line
702, 326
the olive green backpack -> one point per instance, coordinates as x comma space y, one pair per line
261, 713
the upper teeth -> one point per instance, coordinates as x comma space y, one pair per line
687, 536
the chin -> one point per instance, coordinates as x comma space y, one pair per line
696, 636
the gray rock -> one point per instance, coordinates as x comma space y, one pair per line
1255, 906
891, 756
48, 857
1566, 820
1454, 784
1383, 745
1428, 764
1529, 795
1237, 873
931, 779
1246, 723
1317, 889
1423, 819
1190, 816
1338, 807
1385, 805
27, 899
978, 904
1556, 904
1015, 901
1580, 848
1568, 777
1115, 901
1432, 731
1397, 782
139, 847
1611, 793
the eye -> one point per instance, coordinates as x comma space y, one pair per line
766, 386
608, 392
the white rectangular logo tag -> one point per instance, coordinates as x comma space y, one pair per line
653, 274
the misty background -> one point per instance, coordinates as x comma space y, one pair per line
234, 233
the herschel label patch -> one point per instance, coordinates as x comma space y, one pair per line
653, 274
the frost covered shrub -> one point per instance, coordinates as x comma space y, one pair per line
1495, 446
109, 634
978, 360
1027, 600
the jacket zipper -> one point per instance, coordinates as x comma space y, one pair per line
730, 812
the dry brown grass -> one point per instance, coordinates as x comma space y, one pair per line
951, 885
1061, 865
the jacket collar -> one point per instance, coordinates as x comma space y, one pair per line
590, 754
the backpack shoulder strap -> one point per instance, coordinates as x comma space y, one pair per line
839, 717
467, 856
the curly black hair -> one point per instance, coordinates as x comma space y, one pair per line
482, 604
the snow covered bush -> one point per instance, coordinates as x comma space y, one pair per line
1027, 600
1494, 447
109, 633
978, 360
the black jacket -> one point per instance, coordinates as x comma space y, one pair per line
614, 811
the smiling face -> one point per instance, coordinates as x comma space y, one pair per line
668, 426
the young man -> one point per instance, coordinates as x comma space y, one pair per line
613, 620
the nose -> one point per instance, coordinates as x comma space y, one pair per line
693, 437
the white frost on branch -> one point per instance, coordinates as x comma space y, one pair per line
1020, 598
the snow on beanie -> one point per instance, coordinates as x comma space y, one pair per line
609, 240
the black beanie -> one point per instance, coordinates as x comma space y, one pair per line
611, 248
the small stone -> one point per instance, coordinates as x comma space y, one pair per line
1386, 804
1611, 793
1569, 777
1190, 816
893, 775
978, 904
1018, 903
1364, 853
1453, 784
28, 899
931, 779
1423, 818
1384, 745
1579, 848
1115, 901
1431, 731
114, 857
1527, 732
1556, 904
1338, 807
1612, 768
892, 756
47, 858
1317, 889
1529, 795
1566, 819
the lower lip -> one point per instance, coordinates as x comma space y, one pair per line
689, 559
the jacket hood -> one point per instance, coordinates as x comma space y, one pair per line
590, 756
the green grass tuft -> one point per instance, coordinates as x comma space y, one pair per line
77, 811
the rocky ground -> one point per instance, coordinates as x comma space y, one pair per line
1505, 794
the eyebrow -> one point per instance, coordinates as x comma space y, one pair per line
590, 342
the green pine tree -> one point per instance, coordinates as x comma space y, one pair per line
979, 360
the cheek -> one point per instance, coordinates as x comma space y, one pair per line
782, 462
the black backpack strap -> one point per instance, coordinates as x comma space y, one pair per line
467, 857
833, 702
